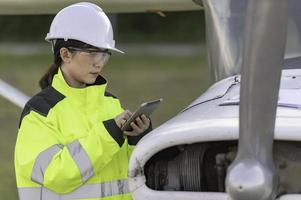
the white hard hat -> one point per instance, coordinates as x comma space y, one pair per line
85, 22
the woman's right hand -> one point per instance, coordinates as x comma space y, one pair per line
121, 119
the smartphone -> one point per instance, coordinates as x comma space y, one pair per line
145, 108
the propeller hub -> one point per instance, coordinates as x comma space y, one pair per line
249, 180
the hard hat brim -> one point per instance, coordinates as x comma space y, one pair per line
49, 39
117, 50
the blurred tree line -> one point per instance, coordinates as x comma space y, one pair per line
180, 27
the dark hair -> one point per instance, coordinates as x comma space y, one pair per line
46, 79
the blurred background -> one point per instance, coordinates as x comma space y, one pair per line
165, 58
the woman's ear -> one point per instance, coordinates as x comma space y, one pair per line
65, 55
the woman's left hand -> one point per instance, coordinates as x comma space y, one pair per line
141, 124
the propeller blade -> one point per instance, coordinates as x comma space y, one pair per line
252, 174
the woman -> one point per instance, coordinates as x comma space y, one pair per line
70, 145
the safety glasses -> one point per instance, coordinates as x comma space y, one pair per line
100, 55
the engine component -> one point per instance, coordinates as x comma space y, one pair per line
203, 167
182, 173
191, 168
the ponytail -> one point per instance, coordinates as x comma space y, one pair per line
46, 79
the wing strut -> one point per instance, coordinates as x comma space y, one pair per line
12, 94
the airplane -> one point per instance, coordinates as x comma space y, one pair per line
8, 7
223, 146
240, 139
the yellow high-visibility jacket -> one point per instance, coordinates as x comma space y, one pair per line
69, 146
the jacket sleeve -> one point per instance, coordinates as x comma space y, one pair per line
133, 140
42, 159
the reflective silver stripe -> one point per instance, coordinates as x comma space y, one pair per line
42, 162
82, 160
30, 193
100, 190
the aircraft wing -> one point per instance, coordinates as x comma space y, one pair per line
13, 7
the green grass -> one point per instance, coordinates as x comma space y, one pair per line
178, 80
